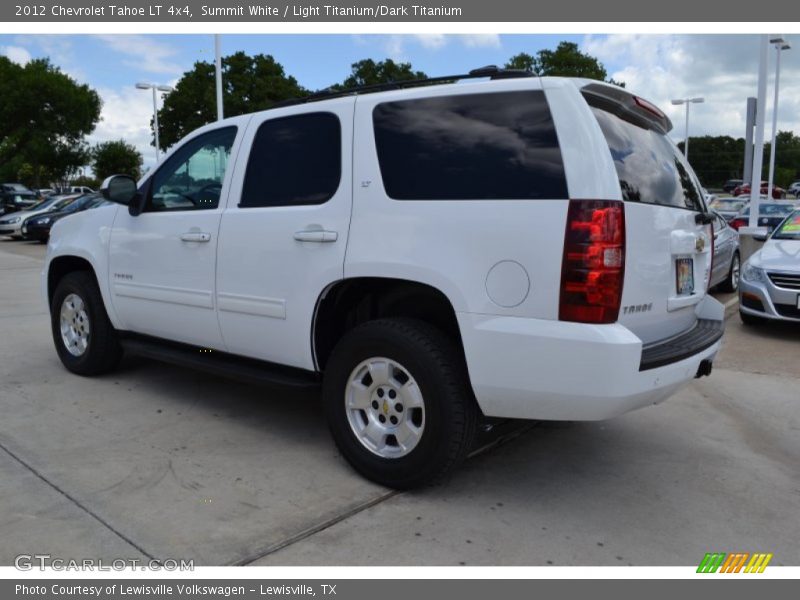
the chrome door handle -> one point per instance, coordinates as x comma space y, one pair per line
195, 236
315, 235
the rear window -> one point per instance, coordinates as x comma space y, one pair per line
650, 167
469, 147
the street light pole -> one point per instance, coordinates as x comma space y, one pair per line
154, 87
780, 46
218, 69
687, 102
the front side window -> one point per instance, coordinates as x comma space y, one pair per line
191, 179
496, 146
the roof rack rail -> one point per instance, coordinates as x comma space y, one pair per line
490, 71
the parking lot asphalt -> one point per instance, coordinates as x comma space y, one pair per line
159, 461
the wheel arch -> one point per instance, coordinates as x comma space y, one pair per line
349, 302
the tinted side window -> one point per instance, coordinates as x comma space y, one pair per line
469, 147
191, 179
650, 167
294, 161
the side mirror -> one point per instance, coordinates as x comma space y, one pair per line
119, 188
760, 238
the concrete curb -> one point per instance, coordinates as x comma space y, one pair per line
731, 307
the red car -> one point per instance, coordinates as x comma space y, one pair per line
778, 193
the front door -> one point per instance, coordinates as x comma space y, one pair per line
162, 262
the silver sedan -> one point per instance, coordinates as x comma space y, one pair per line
725, 266
769, 287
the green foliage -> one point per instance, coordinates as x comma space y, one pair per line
250, 84
92, 182
716, 159
369, 72
44, 116
114, 158
565, 61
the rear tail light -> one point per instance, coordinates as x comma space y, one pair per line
593, 265
738, 222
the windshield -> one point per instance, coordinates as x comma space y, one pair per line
63, 203
729, 205
789, 229
771, 210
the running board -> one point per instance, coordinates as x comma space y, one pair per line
221, 363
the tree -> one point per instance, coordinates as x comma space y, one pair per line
250, 83
369, 72
718, 158
565, 61
112, 158
45, 115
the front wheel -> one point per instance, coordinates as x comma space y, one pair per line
85, 339
398, 402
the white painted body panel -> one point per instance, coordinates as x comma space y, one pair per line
85, 235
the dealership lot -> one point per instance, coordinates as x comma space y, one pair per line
157, 461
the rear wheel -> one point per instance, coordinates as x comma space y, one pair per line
398, 402
85, 340
731, 283
751, 320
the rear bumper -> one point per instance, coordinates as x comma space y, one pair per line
554, 370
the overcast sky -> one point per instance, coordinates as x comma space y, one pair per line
722, 68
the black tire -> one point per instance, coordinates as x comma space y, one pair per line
450, 411
731, 283
103, 351
751, 320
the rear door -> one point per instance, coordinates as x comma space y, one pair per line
668, 241
284, 233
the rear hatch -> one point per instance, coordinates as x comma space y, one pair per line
668, 249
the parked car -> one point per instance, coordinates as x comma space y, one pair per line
38, 227
770, 283
45, 192
731, 185
12, 224
728, 207
76, 189
429, 255
14, 188
727, 258
770, 215
778, 193
11, 202
794, 189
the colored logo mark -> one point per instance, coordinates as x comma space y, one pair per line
734, 562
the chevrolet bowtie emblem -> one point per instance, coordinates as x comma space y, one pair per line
385, 407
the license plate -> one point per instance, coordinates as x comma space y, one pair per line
684, 276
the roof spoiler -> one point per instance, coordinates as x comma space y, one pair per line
625, 105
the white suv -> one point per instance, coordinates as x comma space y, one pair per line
521, 247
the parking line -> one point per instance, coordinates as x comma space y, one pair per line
76, 502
